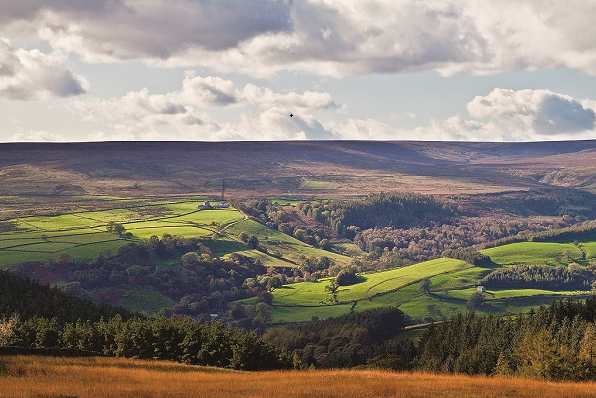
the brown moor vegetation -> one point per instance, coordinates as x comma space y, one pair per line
27, 376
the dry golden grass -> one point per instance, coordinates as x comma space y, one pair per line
30, 376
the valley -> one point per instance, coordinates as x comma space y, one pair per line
318, 244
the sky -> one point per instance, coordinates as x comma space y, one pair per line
232, 70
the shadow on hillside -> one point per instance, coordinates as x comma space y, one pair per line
222, 247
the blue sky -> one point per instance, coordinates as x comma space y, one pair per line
214, 70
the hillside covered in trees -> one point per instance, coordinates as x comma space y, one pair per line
346, 341
30, 299
195, 281
555, 343
50, 319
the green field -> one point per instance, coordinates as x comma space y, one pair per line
393, 287
533, 253
82, 235
453, 282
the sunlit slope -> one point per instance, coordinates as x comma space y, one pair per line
302, 301
314, 293
83, 235
453, 282
286, 249
547, 253
37, 376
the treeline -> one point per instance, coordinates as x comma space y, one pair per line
467, 254
314, 221
196, 281
584, 231
176, 338
394, 209
31, 299
573, 276
346, 341
555, 343
38, 316
289, 221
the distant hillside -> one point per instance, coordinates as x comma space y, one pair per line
291, 169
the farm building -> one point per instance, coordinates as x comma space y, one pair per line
208, 206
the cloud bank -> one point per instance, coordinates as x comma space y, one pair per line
36, 136
323, 37
181, 115
502, 115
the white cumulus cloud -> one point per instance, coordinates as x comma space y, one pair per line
31, 75
533, 112
502, 115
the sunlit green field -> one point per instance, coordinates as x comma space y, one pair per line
314, 293
453, 283
496, 294
532, 253
83, 235
289, 247
379, 289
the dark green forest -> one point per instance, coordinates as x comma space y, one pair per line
571, 277
49, 319
346, 341
30, 299
557, 342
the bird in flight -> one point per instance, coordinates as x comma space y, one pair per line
291, 115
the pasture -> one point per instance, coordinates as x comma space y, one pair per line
302, 301
452, 281
83, 234
533, 253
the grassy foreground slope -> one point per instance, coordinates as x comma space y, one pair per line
26, 376
453, 282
